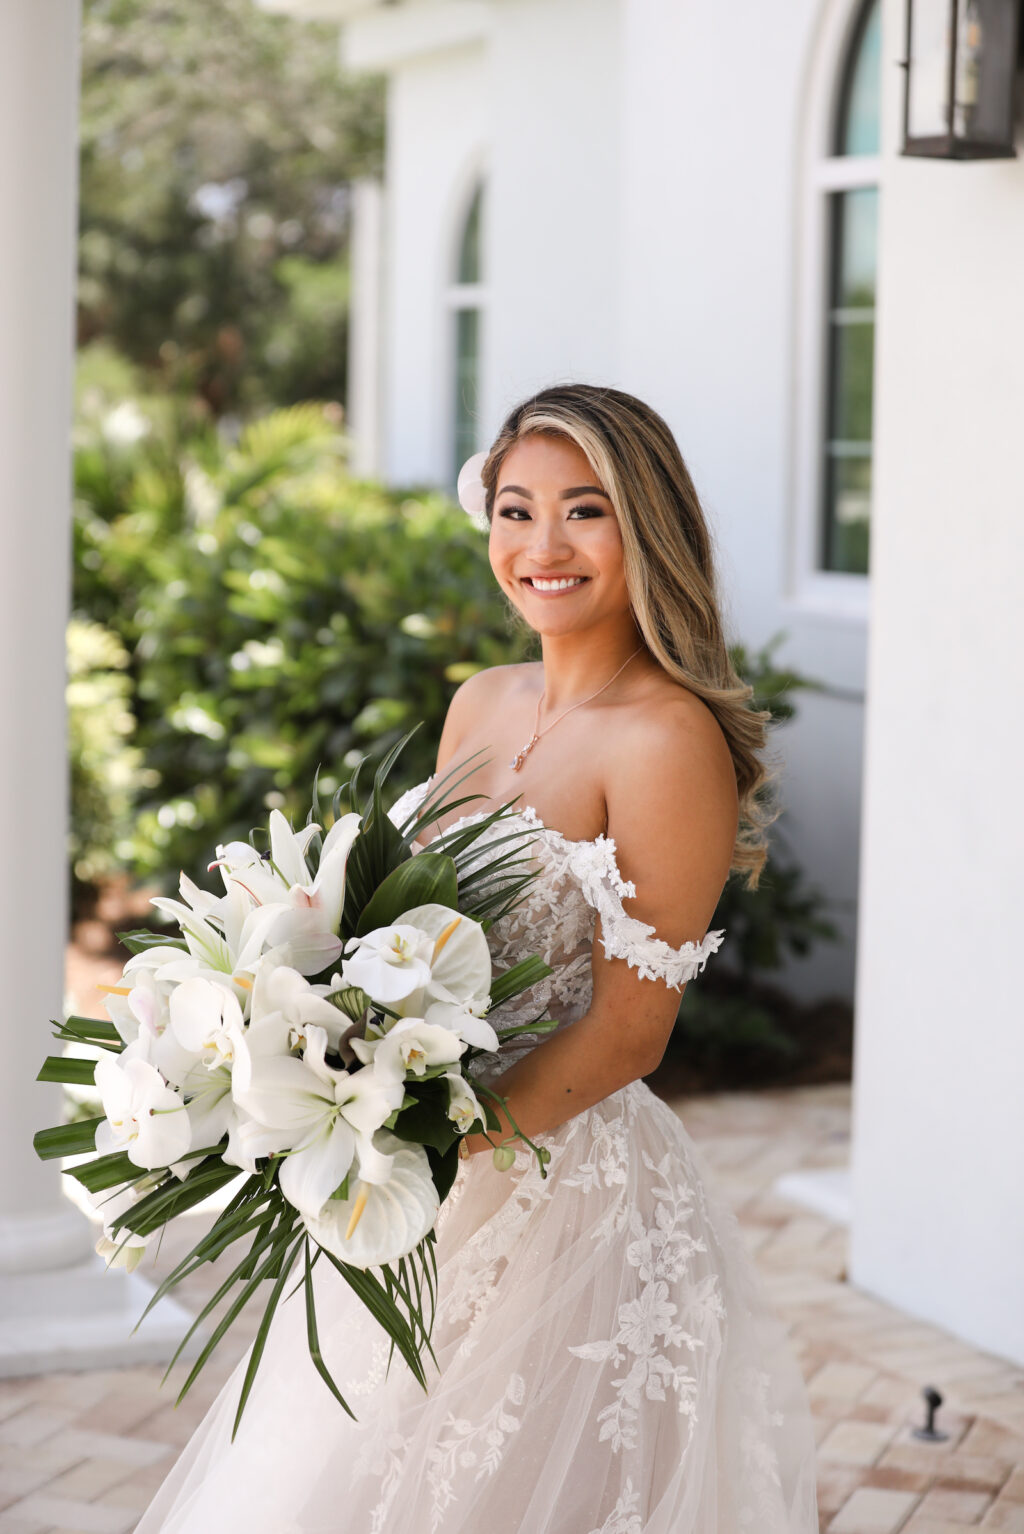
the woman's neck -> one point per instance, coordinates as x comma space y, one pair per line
576, 665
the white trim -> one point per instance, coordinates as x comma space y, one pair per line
384, 38
819, 173
456, 296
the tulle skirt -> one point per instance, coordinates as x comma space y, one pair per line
608, 1364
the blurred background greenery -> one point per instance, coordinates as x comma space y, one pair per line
245, 611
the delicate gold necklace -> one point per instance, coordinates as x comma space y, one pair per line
520, 756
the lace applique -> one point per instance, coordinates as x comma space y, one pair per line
586, 876
471, 1445
624, 1517
649, 1327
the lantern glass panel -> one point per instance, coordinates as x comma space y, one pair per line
928, 85
985, 65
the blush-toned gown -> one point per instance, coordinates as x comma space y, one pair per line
608, 1361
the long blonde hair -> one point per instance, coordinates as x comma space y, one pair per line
668, 560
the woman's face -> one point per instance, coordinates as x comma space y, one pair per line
555, 544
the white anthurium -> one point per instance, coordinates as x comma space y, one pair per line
145, 1118
380, 1222
322, 1117
391, 963
460, 961
284, 875
409, 1048
463, 1104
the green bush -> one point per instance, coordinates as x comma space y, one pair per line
104, 765
280, 616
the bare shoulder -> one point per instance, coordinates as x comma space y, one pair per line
680, 744
673, 807
482, 695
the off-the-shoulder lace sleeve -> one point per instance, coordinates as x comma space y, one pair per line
624, 936
410, 801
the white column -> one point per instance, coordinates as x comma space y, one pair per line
365, 348
938, 1132
38, 133
58, 1308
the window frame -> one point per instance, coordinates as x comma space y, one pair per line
832, 593
458, 297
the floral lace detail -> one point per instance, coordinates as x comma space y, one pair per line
648, 1328
580, 881
624, 1517
476, 1445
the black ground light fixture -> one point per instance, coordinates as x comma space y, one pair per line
961, 64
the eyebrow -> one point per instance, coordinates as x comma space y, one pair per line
563, 495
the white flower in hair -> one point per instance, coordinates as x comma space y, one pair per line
471, 492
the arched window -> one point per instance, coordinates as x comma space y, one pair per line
849, 181
465, 298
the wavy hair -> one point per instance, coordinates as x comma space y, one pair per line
669, 568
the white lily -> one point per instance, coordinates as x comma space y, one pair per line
284, 1004
391, 963
380, 1222
119, 1246
144, 1117
285, 874
322, 1117
463, 1105
409, 1048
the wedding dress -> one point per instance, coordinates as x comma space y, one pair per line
608, 1363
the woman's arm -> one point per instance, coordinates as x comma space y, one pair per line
672, 812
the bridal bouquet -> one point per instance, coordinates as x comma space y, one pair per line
313, 1031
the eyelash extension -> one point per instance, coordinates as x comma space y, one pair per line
592, 511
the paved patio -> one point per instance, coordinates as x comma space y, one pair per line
84, 1452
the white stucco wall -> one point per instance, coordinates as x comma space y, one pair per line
643, 228
938, 1127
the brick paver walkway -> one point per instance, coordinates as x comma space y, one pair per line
84, 1452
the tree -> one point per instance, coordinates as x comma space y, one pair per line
218, 144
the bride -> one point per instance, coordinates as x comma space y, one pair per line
608, 1363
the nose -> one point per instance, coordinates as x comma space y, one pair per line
549, 542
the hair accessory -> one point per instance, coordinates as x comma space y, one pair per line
470, 490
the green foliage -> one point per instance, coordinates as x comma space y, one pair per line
104, 763
279, 616
218, 144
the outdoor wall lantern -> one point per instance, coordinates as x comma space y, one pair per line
961, 64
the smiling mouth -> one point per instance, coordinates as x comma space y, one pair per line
555, 583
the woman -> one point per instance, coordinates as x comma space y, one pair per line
607, 1363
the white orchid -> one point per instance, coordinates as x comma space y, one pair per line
461, 1018
380, 1222
463, 1105
409, 1048
390, 964
144, 1117
323, 1118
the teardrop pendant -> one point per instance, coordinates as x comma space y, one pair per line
520, 756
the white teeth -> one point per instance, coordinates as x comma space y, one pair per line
559, 585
